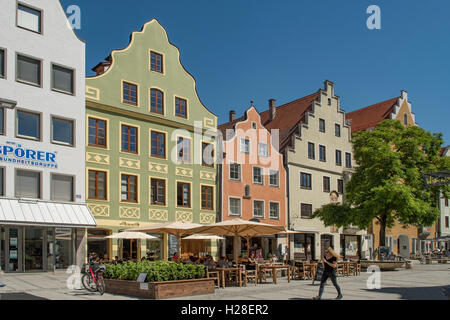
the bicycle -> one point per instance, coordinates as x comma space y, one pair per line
93, 279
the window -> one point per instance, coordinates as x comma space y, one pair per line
156, 101
129, 139
263, 150
130, 93
62, 131
338, 158
348, 160
97, 133
311, 151
245, 146
447, 223
156, 62
158, 192
129, 188
337, 130
183, 195
321, 125
247, 192
158, 144
341, 186
326, 184
274, 178
29, 18
2, 182
207, 198
274, 210
28, 125
323, 153
184, 150
446, 202
28, 70
329, 102
258, 209
235, 172
28, 184
234, 207
181, 108
258, 175
97, 185
306, 210
2, 63
306, 181
2, 121
62, 188
254, 126
62, 79
207, 154
405, 119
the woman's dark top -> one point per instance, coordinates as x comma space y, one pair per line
329, 268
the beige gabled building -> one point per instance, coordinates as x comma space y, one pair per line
316, 143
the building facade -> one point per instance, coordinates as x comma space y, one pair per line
43, 218
253, 180
400, 239
444, 205
146, 163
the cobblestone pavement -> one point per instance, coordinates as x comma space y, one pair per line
423, 282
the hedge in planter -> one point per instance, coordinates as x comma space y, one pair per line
156, 271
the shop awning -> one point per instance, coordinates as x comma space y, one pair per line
45, 214
306, 230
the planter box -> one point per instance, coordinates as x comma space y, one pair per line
383, 265
161, 290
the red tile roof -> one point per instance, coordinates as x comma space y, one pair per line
371, 116
287, 117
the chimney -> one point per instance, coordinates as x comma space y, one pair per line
273, 109
232, 115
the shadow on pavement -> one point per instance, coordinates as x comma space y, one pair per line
417, 293
20, 296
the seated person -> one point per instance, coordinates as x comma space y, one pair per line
251, 262
175, 257
222, 263
209, 263
93, 258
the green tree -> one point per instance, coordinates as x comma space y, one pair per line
387, 184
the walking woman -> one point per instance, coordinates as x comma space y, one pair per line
330, 263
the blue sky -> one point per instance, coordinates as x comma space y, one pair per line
240, 51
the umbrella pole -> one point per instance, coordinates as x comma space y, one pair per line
236, 244
179, 247
248, 247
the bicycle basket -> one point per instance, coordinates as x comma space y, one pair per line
100, 268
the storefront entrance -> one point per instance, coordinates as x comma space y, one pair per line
304, 246
29, 249
326, 241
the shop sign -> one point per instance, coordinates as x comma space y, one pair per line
437, 179
14, 153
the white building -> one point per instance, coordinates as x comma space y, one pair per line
43, 218
444, 223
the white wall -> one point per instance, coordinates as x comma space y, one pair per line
57, 44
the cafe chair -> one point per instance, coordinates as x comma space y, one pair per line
340, 270
215, 275
250, 276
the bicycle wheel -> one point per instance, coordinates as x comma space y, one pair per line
88, 283
101, 284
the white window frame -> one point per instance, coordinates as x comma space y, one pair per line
266, 155
264, 209
262, 175
52, 79
270, 174
230, 214
73, 131
18, 135
312, 210
63, 175
240, 172
243, 146
279, 210
40, 84
40, 173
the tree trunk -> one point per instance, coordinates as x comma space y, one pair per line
382, 242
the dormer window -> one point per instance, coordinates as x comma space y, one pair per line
29, 18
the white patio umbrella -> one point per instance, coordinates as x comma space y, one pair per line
178, 229
203, 237
239, 228
132, 236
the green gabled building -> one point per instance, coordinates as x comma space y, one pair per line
144, 164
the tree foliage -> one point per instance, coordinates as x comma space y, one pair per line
387, 184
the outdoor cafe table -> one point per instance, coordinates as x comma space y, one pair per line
225, 270
346, 265
275, 269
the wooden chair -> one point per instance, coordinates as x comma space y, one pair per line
300, 271
249, 275
340, 270
215, 275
